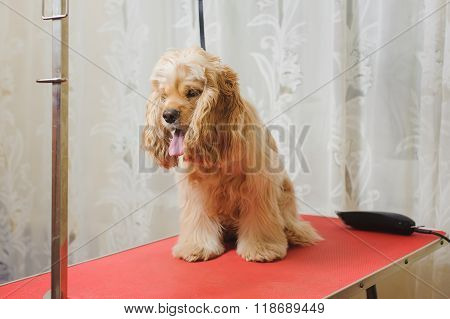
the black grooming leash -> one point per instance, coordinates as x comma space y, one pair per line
201, 24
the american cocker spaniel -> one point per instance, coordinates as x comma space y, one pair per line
230, 173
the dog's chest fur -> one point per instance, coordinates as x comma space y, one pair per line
222, 193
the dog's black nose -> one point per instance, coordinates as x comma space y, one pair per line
171, 115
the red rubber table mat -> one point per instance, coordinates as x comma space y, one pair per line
150, 271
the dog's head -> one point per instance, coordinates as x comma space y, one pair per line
195, 108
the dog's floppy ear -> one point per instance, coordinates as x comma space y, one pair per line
156, 138
201, 138
232, 105
213, 126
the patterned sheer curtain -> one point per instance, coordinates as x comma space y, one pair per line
355, 92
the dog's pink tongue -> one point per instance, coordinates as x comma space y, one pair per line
176, 147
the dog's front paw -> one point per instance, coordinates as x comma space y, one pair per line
192, 252
262, 252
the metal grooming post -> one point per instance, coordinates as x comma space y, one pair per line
60, 85
201, 23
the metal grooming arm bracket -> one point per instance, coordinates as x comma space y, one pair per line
57, 16
60, 68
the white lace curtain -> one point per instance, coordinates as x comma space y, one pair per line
372, 129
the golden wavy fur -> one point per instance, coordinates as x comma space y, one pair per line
232, 181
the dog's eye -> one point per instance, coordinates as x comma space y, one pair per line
192, 93
163, 97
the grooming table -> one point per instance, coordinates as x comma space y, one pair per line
346, 262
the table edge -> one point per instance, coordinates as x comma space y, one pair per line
404, 262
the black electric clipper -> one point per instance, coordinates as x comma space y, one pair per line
378, 221
384, 222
